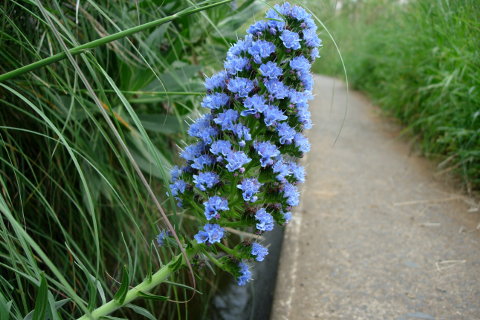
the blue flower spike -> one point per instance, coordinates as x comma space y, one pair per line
240, 169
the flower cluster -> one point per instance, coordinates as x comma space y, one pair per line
240, 172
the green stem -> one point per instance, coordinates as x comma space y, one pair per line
98, 42
227, 249
144, 287
215, 261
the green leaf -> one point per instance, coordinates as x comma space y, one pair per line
157, 36
41, 302
146, 159
104, 40
151, 296
5, 307
162, 123
100, 290
54, 306
141, 311
150, 264
122, 291
174, 266
181, 285
229, 26
183, 78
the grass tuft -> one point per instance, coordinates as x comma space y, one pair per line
75, 215
418, 60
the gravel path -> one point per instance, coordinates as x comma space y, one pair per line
377, 237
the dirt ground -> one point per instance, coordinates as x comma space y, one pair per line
378, 234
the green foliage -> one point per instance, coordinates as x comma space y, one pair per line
122, 291
420, 62
73, 210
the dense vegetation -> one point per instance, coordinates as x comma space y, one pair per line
74, 211
420, 61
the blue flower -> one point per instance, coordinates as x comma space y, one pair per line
275, 20
267, 152
162, 236
213, 205
201, 236
302, 143
240, 47
291, 40
221, 147
217, 81
258, 27
259, 251
178, 187
226, 119
201, 161
236, 160
201, 123
307, 80
205, 180
202, 129
290, 192
254, 104
303, 116
284, 8
245, 274
261, 49
270, 70
311, 38
175, 172
192, 151
286, 133
281, 169
300, 98
299, 13
241, 86
215, 100
310, 24
314, 54
242, 132
287, 216
235, 64
250, 187
273, 115
210, 234
301, 64
264, 220
277, 89
298, 171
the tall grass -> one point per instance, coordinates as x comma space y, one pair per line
74, 212
420, 62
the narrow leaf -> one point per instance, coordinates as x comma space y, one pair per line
122, 291
141, 311
151, 296
42, 300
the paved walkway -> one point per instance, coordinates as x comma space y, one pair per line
377, 237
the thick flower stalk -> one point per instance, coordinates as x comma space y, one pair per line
241, 169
